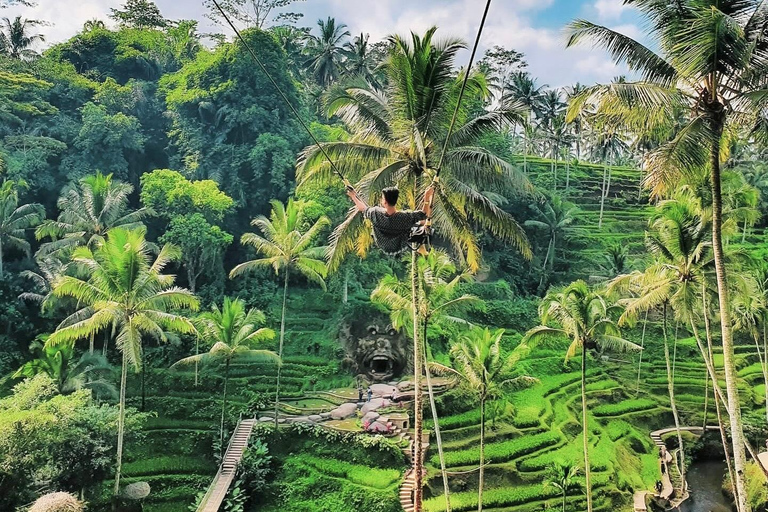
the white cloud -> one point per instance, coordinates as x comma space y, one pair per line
66, 16
512, 23
610, 10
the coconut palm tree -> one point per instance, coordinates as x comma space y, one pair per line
89, 372
233, 334
88, 211
680, 244
360, 59
16, 41
326, 51
399, 133
586, 317
48, 270
749, 312
554, 216
608, 147
438, 302
711, 65
127, 292
479, 363
522, 88
562, 476
288, 248
15, 220
398, 136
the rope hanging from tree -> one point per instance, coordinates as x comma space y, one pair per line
420, 235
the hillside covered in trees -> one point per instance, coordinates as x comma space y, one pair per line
191, 310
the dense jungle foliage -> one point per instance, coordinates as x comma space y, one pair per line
176, 255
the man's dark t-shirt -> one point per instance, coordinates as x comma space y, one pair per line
391, 232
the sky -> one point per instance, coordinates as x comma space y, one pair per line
534, 27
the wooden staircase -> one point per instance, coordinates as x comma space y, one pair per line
219, 488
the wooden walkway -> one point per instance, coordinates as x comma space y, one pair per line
226, 474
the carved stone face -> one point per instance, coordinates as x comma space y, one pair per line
374, 349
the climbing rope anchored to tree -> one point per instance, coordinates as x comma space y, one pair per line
394, 231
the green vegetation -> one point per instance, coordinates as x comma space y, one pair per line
162, 210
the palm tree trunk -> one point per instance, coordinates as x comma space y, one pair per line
567, 172
642, 346
706, 398
345, 290
223, 409
763, 368
121, 424
197, 353
90, 343
418, 427
143, 387
554, 169
482, 454
672, 402
564, 497
744, 232
602, 198
438, 437
280, 348
706, 354
729, 364
1, 258
584, 425
544, 266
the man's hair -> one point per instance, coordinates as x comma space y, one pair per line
391, 195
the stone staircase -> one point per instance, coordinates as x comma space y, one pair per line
407, 491
219, 488
408, 486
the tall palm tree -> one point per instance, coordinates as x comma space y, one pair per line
562, 476
554, 216
16, 41
523, 88
712, 65
88, 211
233, 334
43, 279
89, 372
15, 220
326, 51
437, 302
360, 58
479, 363
287, 247
587, 318
679, 243
608, 147
127, 292
398, 133
749, 311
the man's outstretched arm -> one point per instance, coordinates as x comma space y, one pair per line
428, 196
359, 203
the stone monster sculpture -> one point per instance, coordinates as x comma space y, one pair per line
375, 351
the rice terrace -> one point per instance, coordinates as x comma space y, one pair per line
437, 256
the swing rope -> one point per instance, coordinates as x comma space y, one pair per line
436, 178
282, 94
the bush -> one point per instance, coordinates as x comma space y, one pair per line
627, 406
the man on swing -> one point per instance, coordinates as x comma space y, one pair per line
392, 227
